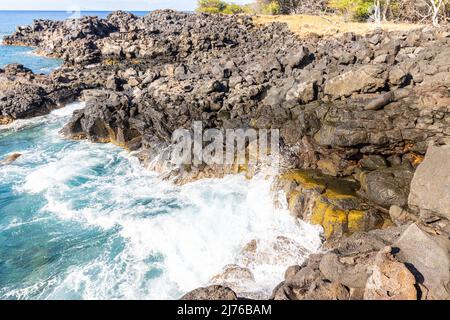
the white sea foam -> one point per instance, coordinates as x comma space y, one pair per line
59, 171
53, 116
174, 238
213, 223
67, 110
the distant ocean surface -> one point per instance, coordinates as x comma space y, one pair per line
80, 220
9, 20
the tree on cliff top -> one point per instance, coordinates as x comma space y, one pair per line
211, 6
267, 7
220, 6
435, 11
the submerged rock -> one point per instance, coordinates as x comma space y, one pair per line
5, 120
11, 158
239, 279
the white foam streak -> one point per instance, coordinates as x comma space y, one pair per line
216, 220
67, 110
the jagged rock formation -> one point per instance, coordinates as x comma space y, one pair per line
356, 116
408, 261
426, 195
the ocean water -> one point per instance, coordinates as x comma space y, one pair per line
9, 20
86, 221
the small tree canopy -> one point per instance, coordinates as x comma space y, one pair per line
220, 6
211, 6
355, 9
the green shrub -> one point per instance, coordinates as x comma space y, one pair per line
355, 9
271, 8
219, 6
211, 6
232, 8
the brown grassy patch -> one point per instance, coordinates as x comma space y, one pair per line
325, 25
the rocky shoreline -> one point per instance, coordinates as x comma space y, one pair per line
364, 124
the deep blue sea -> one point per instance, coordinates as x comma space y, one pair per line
86, 221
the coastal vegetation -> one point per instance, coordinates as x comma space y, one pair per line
412, 11
324, 25
363, 122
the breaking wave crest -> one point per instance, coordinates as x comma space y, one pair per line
95, 225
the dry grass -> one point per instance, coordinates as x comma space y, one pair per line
325, 25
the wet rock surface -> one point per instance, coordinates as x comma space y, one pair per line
356, 114
327, 201
377, 265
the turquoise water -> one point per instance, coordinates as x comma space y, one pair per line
9, 20
86, 221
25, 56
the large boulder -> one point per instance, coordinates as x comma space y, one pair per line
369, 78
211, 293
388, 186
307, 283
98, 120
390, 279
5, 120
430, 187
329, 202
10, 158
349, 270
344, 272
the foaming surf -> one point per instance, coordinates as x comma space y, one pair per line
104, 228
53, 117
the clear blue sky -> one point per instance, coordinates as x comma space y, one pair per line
106, 5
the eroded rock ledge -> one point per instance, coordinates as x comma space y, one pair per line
356, 116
